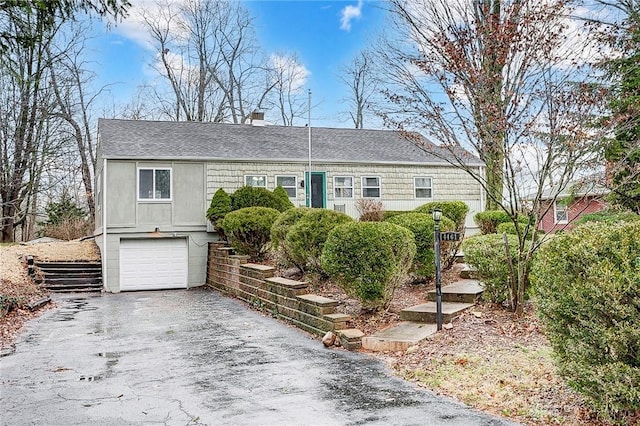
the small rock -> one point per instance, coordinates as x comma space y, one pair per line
338, 342
329, 339
447, 326
477, 314
412, 349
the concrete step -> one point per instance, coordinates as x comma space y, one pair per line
426, 312
459, 256
467, 271
399, 337
463, 291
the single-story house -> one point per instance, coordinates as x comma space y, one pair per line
155, 180
560, 210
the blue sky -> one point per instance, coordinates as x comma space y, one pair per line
325, 35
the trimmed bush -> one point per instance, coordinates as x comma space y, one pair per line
391, 213
488, 255
608, 216
249, 196
587, 287
306, 237
489, 220
369, 260
422, 227
219, 207
248, 230
510, 228
281, 195
281, 227
454, 210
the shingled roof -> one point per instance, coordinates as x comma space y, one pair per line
165, 140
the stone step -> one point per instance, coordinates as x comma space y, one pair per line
351, 338
463, 291
467, 271
399, 337
69, 265
426, 312
459, 256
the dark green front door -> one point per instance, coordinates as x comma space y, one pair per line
317, 187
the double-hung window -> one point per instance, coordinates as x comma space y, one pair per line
289, 183
422, 187
343, 186
154, 184
371, 187
560, 213
259, 181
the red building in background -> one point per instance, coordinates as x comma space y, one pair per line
562, 211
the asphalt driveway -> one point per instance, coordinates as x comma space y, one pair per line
195, 357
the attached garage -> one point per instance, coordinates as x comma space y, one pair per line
153, 264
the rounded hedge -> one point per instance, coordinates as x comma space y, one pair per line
369, 260
248, 230
422, 227
250, 196
489, 220
608, 216
587, 287
219, 207
488, 255
305, 239
454, 210
510, 228
281, 227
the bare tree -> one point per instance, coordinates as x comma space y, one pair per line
499, 78
70, 83
288, 96
360, 80
207, 52
24, 121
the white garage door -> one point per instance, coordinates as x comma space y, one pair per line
153, 264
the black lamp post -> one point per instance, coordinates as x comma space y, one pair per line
437, 217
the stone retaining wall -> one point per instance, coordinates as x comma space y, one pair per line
284, 298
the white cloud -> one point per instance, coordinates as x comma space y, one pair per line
289, 69
349, 13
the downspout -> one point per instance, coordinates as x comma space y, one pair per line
104, 224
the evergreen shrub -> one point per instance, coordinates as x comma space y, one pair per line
489, 220
454, 210
306, 237
280, 229
219, 207
369, 260
422, 227
488, 255
586, 284
249, 196
248, 230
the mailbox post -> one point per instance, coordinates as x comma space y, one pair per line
437, 217
437, 239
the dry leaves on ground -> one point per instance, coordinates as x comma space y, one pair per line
16, 288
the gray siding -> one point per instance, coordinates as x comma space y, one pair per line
397, 192
111, 258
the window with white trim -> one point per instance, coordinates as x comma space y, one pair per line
154, 184
259, 181
289, 183
371, 186
422, 187
560, 212
343, 186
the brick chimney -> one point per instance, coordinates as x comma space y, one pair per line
257, 118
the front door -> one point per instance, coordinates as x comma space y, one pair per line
317, 188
